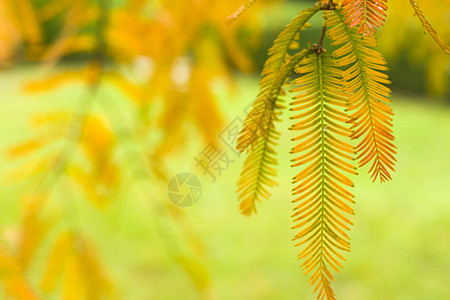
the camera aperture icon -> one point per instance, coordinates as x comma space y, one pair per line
184, 189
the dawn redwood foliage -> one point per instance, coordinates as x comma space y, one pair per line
338, 96
147, 69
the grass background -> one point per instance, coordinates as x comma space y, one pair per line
400, 240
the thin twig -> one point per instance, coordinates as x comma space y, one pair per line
319, 45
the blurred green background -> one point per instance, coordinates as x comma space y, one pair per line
400, 240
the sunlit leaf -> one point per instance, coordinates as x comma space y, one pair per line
365, 81
366, 15
258, 135
325, 156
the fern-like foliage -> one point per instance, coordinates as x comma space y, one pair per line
257, 172
367, 15
365, 82
325, 156
263, 109
428, 27
258, 134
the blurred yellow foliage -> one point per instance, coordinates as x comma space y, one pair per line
156, 55
19, 24
12, 277
73, 259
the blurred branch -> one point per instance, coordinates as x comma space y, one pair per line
239, 12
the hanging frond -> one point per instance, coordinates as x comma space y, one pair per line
264, 108
259, 134
428, 27
367, 15
257, 172
324, 155
365, 82
239, 12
